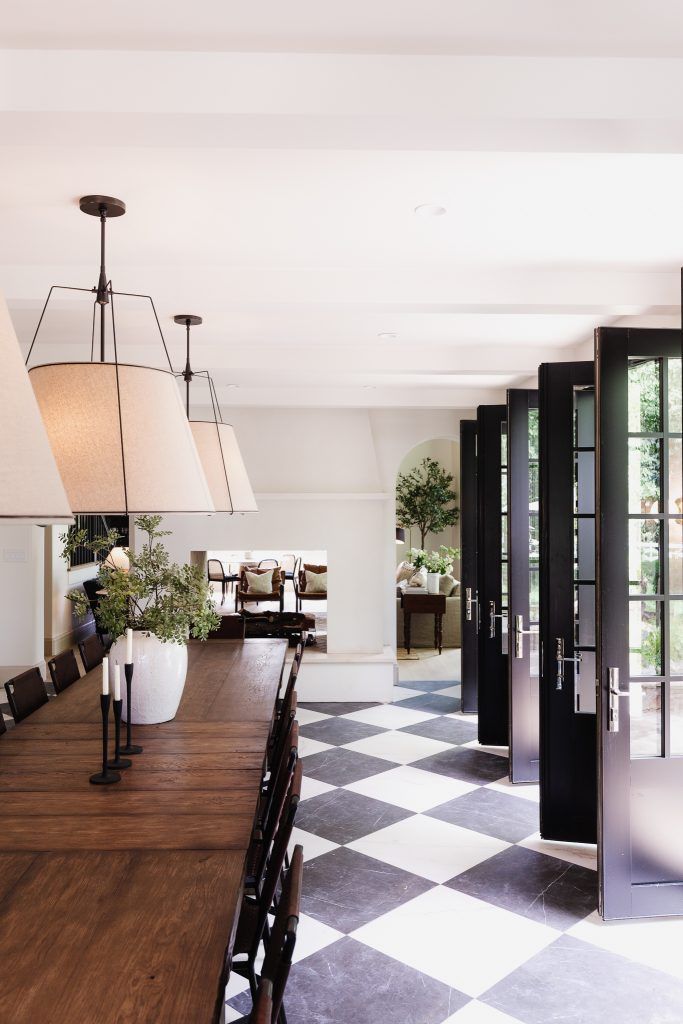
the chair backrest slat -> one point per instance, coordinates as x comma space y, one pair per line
278, 959
92, 652
25, 693
63, 670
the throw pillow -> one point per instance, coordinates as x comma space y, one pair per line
259, 583
316, 582
419, 578
404, 571
447, 584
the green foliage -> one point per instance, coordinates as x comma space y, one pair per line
172, 601
425, 499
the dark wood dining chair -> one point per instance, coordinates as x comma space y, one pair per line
92, 590
63, 670
291, 683
216, 573
270, 808
280, 948
252, 928
262, 1010
268, 563
3, 724
25, 693
92, 652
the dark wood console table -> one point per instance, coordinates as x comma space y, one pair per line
429, 604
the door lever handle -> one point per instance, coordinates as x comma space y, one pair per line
613, 699
519, 633
469, 601
493, 615
560, 660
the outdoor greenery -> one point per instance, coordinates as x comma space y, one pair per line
425, 499
172, 601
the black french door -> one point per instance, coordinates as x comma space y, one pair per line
469, 603
640, 621
523, 552
492, 703
568, 768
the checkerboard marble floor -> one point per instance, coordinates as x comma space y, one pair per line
429, 897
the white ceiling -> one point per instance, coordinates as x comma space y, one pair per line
271, 184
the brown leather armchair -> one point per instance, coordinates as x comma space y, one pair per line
300, 585
246, 596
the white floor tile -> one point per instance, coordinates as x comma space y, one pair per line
584, 854
530, 792
308, 746
461, 941
402, 693
305, 716
399, 747
499, 751
389, 716
230, 1014
313, 787
412, 788
479, 1013
460, 716
450, 691
312, 935
313, 845
433, 849
656, 943
236, 984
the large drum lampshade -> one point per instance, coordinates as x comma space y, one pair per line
30, 486
121, 439
224, 467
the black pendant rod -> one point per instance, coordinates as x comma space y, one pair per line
102, 295
190, 320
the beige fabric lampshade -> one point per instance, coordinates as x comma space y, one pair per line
224, 467
30, 485
144, 460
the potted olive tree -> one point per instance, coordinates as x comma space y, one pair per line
164, 603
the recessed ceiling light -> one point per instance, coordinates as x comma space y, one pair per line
430, 210
387, 335
369, 387
232, 385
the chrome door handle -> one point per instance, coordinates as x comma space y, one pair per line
469, 601
519, 633
493, 615
560, 660
614, 694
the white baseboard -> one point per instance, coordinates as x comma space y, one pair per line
347, 678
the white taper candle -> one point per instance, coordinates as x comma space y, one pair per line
105, 676
129, 646
117, 681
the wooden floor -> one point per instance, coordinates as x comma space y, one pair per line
117, 903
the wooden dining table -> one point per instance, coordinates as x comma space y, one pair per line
118, 904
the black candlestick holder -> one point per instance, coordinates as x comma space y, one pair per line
106, 776
130, 748
118, 762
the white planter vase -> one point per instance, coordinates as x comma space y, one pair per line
433, 582
158, 679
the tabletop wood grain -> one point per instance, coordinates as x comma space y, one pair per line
117, 903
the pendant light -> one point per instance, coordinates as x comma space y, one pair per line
216, 442
118, 431
30, 486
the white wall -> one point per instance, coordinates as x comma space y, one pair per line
21, 598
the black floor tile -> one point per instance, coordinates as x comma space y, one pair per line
533, 885
345, 889
428, 685
438, 703
342, 816
466, 764
494, 814
448, 730
339, 767
338, 731
349, 983
577, 983
336, 708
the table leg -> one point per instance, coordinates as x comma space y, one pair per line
439, 631
406, 630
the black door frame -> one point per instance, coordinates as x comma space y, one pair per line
523, 687
493, 678
646, 788
469, 598
568, 741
